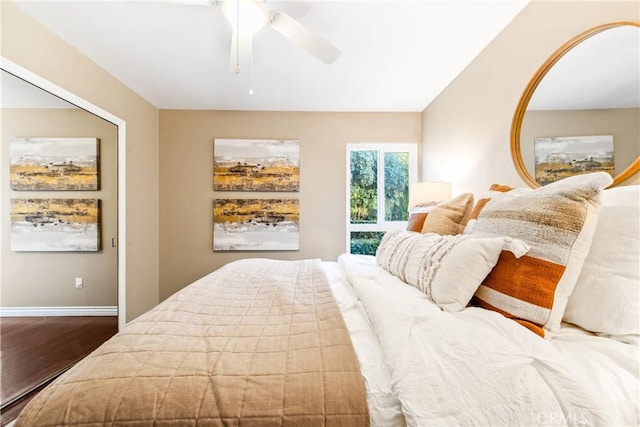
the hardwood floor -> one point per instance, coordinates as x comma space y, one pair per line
35, 350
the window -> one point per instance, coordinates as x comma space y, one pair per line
377, 192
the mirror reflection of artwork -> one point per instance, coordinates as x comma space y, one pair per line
256, 225
561, 157
62, 164
256, 165
55, 225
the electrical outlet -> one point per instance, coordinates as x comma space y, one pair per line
79, 283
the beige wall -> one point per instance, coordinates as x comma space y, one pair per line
465, 134
466, 129
47, 279
622, 123
30, 45
186, 165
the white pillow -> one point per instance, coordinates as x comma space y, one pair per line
448, 269
606, 298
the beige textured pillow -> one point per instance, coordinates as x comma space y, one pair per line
418, 214
449, 217
557, 221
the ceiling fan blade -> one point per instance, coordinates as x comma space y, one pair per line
301, 35
240, 57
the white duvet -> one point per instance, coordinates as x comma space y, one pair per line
427, 367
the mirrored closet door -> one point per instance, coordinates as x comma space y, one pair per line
59, 255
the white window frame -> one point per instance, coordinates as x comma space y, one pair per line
381, 147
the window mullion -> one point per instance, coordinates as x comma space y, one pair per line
381, 198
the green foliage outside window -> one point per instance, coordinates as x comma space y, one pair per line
365, 242
396, 186
364, 187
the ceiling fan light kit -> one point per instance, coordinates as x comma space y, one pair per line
245, 16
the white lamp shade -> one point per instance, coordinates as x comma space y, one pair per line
422, 192
246, 16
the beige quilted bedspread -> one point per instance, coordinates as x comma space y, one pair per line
257, 342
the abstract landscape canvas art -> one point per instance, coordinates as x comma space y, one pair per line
62, 164
55, 225
256, 165
561, 157
256, 225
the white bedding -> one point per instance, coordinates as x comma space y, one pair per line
475, 367
384, 407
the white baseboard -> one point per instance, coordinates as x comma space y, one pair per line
58, 311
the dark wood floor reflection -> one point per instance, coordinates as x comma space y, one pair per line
35, 350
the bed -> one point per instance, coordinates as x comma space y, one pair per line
524, 312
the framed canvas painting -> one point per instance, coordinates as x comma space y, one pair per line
256, 165
561, 157
54, 164
256, 225
55, 225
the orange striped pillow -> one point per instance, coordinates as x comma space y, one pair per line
557, 221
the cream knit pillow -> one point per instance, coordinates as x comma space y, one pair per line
448, 269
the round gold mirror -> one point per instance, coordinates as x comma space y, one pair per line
581, 110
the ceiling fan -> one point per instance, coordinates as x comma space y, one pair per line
247, 17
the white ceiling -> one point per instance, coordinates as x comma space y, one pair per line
396, 55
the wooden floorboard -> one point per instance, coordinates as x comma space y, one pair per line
37, 349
